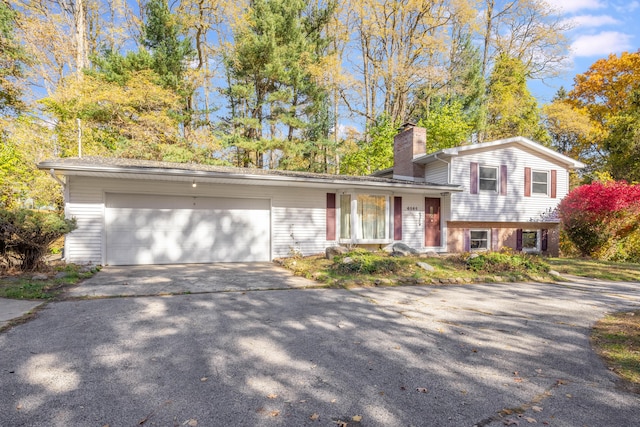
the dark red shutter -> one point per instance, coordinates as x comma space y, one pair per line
503, 180
544, 240
467, 239
473, 176
519, 239
554, 183
494, 239
331, 216
527, 182
397, 218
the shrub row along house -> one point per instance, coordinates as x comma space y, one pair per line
483, 196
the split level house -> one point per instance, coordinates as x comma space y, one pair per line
485, 196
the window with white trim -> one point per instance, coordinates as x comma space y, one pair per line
364, 218
488, 178
540, 182
530, 241
479, 240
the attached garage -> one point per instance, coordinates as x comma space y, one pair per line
161, 229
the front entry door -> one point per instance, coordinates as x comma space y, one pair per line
432, 222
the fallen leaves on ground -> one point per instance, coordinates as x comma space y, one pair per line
356, 418
314, 416
272, 396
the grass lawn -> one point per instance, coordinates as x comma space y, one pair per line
605, 270
23, 286
617, 339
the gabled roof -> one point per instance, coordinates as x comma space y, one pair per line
501, 143
145, 169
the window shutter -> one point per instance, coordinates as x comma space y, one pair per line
544, 239
503, 180
397, 218
527, 182
331, 216
473, 185
494, 239
467, 239
519, 239
554, 183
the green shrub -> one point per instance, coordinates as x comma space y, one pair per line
502, 262
25, 236
365, 262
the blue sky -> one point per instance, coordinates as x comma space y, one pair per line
600, 28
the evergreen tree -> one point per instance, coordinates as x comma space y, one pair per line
272, 94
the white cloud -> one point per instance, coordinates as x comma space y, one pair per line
628, 7
571, 6
590, 21
601, 44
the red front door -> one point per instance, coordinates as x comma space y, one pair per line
432, 222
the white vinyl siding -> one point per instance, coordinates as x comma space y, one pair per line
298, 215
86, 205
437, 173
491, 206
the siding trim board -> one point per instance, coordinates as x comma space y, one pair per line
331, 217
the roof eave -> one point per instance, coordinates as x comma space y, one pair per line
245, 178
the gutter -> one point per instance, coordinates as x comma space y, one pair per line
248, 177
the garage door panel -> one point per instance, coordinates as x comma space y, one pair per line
214, 230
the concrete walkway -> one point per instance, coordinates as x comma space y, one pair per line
11, 309
187, 278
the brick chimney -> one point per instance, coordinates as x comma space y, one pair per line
410, 142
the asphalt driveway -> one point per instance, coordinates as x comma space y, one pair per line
463, 355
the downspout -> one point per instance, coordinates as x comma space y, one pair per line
58, 180
435, 156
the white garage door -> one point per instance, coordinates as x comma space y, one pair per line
150, 229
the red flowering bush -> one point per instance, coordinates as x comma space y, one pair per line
603, 220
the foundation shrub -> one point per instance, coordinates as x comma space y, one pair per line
25, 236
